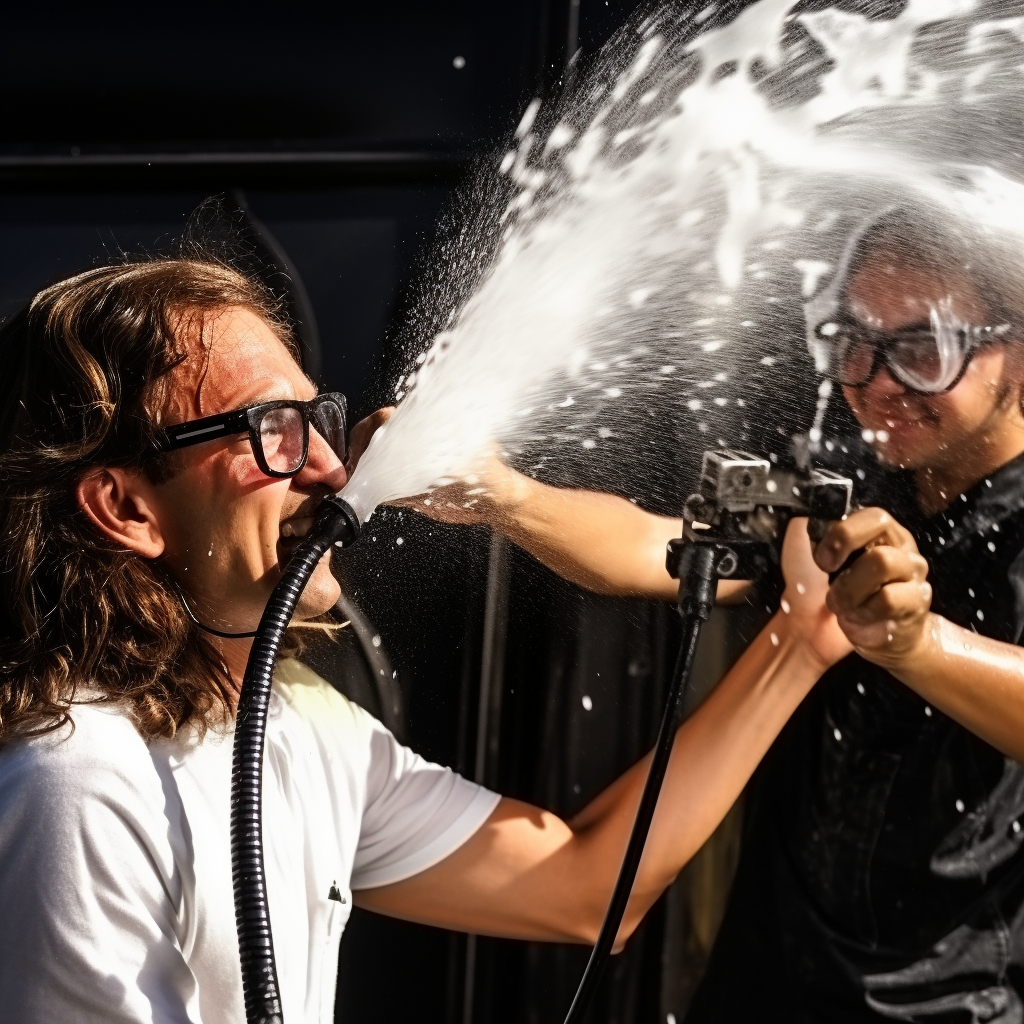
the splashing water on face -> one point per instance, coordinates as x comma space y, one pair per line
656, 227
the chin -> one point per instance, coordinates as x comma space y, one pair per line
320, 596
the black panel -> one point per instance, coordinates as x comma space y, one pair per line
261, 75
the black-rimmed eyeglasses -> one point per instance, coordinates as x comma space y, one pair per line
278, 431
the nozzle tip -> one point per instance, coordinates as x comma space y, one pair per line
345, 521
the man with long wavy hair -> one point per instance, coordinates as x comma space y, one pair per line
162, 452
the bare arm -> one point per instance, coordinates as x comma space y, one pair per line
883, 603
528, 874
598, 541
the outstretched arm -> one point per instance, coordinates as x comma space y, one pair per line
600, 542
528, 874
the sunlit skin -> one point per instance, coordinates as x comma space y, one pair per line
216, 523
950, 440
525, 873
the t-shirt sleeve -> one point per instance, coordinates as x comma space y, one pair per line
416, 812
88, 891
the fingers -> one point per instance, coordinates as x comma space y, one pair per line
878, 568
360, 435
895, 604
883, 600
865, 528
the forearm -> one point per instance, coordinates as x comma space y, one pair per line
977, 681
716, 751
598, 541
526, 874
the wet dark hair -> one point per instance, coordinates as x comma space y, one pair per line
86, 367
953, 252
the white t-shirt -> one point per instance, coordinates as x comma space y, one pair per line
116, 903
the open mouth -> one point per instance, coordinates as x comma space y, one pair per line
292, 532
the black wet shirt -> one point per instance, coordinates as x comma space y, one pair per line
882, 874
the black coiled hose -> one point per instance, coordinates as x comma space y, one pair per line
335, 522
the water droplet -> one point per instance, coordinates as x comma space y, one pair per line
399, 541
928, 711
981, 615
801, 589
1016, 827
376, 641
588, 704
991, 546
860, 689
838, 735
785, 606
458, 63
209, 554
967, 647
960, 806
775, 640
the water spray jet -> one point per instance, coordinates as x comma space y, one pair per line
652, 221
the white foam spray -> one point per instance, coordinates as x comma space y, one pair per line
653, 224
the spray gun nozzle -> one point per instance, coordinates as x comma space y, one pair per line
337, 516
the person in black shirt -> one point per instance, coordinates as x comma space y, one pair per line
882, 873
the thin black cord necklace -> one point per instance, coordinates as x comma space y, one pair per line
202, 625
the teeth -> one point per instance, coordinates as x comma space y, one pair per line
298, 527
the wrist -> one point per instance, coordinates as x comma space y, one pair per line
815, 638
909, 655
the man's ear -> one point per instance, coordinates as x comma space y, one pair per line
116, 500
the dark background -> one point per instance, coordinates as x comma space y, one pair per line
336, 138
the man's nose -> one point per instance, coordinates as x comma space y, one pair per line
884, 386
322, 465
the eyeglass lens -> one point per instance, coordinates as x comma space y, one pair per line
283, 439
329, 422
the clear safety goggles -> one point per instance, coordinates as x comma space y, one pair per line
926, 359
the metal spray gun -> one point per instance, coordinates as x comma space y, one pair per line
732, 529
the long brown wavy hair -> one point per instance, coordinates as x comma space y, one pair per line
84, 371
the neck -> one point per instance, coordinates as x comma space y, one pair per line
235, 656
940, 484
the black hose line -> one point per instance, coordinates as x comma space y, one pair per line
335, 523
696, 600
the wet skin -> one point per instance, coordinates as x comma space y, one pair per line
950, 440
220, 517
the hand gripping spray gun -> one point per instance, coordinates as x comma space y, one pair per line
733, 529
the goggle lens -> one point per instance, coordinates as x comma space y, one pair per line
922, 360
